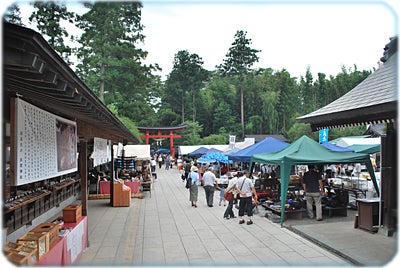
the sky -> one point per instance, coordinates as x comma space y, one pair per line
292, 35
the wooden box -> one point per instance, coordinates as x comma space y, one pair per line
72, 213
40, 241
23, 255
51, 228
122, 195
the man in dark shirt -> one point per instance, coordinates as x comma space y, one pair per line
313, 188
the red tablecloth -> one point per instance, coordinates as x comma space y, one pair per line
105, 186
54, 255
68, 249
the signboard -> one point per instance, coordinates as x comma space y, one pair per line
323, 135
45, 144
101, 151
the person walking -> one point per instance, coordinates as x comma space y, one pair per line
210, 183
246, 191
167, 162
313, 188
193, 190
231, 188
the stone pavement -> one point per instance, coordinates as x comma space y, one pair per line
165, 229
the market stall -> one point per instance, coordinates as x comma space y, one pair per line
307, 151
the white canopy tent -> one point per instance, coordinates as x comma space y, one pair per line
141, 152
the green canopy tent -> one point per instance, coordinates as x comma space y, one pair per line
307, 151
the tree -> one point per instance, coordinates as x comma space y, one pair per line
111, 61
238, 61
13, 15
185, 81
48, 16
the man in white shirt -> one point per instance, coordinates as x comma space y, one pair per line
246, 190
210, 183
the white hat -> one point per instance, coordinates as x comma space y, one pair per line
193, 169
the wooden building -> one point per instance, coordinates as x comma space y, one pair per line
36, 78
373, 101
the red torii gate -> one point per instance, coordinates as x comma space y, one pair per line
159, 135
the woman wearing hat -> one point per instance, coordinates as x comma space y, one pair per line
193, 190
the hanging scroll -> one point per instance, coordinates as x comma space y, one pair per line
45, 144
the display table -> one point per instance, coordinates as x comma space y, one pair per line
105, 186
368, 214
296, 214
69, 247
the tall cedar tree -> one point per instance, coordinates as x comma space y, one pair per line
185, 80
111, 61
48, 16
239, 60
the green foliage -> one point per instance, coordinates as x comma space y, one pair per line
48, 16
231, 100
215, 139
13, 15
191, 134
125, 120
111, 61
240, 57
184, 83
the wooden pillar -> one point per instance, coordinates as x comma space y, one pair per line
171, 143
389, 178
112, 174
147, 136
83, 174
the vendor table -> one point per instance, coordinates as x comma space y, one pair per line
105, 186
296, 214
368, 214
69, 247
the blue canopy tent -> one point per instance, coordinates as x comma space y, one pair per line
212, 150
307, 151
163, 151
198, 152
336, 148
213, 157
267, 145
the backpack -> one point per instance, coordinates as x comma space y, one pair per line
188, 182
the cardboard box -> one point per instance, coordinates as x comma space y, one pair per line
72, 213
51, 228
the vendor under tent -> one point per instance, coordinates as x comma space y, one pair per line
307, 151
365, 148
269, 144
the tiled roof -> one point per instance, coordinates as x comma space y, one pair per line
374, 100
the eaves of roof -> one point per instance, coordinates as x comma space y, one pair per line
33, 71
372, 101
